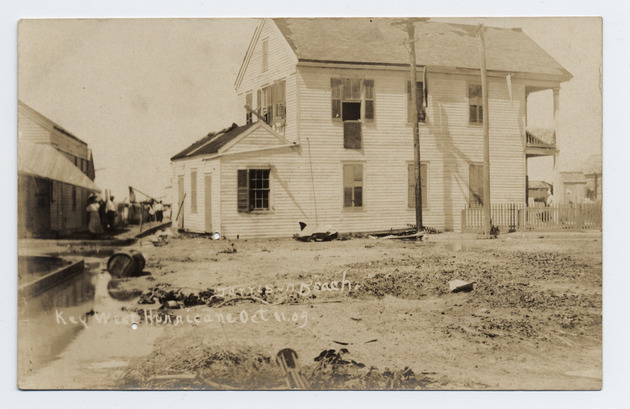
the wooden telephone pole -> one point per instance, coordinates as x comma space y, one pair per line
411, 32
487, 222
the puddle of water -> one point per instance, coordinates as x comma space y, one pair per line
41, 335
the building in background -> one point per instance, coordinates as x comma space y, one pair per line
332, 140
55, 177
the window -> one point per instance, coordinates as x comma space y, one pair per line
248, 112
475, 184
265, 54
253, 190
265, 105
475, 104
353, 185
419, 101
352, 101
74, 198
193, 190
411, 191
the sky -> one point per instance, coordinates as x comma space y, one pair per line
140, 90
616, 168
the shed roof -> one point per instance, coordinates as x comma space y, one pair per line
377, 41
44, 161
213, 141
539, 184
573, 177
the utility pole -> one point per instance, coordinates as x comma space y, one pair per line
486, 132
411, 33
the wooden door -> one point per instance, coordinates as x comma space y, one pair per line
208, 201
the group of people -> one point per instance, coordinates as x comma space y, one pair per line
102, 215
156, 211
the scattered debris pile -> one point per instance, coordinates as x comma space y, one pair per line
167, 297
316, 233
202, 366
337, 370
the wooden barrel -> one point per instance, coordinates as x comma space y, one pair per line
126, 263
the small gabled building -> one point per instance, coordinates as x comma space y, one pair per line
55, 177
332, 96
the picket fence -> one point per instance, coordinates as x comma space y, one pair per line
509, 217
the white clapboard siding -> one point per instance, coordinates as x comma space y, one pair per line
258, 139
31, 131
281, 66
291, 198
193, 221
448, 145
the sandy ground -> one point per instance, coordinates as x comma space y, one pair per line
533, 320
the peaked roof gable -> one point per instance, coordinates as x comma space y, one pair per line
223, 141
377, 41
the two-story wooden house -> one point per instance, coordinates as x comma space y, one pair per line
328, 132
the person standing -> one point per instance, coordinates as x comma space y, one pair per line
159, 211
110, 207
94, 224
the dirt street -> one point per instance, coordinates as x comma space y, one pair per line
533, 320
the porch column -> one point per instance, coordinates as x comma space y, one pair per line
556, 112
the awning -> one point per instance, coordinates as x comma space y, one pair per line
47, 162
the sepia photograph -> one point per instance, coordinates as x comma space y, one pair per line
272, 204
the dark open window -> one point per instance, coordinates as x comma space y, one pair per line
475, 104
419, 101
253, 190
353, 185
475, 184
411, 191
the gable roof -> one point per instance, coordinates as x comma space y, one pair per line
377, 41
213, 141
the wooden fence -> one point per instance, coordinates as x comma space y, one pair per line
517, 217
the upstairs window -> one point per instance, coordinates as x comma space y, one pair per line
265, 54
248, 113
271, 102
419, 101
475, 104
352, 102
411, 190
353, 185
253, 190
475, 184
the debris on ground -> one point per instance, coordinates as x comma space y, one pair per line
456, 286
288, 360
316, 233
229, 250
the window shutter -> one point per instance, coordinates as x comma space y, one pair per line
335, 84
248, 112
243, 188
352, 135
369, 99
358, 185
411, 184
